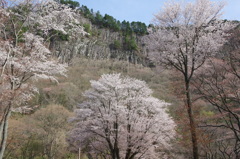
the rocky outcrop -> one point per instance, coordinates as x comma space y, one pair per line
98, 45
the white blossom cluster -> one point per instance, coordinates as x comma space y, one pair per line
187, 32
120, 116
52, 15
24, 55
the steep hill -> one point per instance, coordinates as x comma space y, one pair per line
103, 41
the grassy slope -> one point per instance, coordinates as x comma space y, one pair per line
69, 90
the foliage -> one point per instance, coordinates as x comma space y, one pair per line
184, 36
130, 44
87, 28
110, 22
117, 45
40, 135
70, 3
127, 29
80, 73
53, 16
59, 36
120, 119
24, 54
139, 28
98, 19
86, 12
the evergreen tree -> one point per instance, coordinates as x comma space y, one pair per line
70, 3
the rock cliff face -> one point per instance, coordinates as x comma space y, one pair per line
99, 45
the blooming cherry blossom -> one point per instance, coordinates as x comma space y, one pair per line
184, 36
121, 119
24, 54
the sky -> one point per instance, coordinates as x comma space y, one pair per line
143, 10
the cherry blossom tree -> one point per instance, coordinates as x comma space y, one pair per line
184, 36
219, 85
53, 16
121, 119
24, 31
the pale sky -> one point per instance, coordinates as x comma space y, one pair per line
143, 10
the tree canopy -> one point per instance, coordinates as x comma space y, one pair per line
184, 36
110, 22
24, 54
121, 119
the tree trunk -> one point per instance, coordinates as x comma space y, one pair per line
192, 121
3, 129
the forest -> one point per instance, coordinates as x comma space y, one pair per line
75, 84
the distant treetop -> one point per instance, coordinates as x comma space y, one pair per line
108, 21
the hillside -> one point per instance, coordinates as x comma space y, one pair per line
56, 99
104, 41
62, 95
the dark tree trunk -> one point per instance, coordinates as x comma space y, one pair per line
192, 121
4, 128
